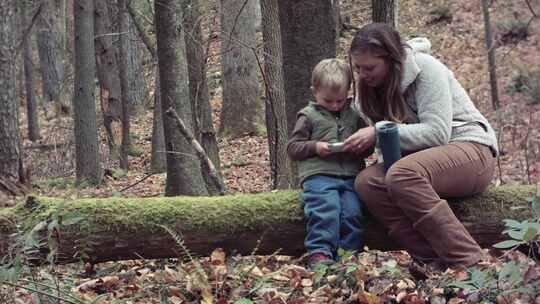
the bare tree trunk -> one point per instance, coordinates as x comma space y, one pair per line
491, 56
336, 4
385, 11
107, 72
85, 119
241, 108
31, 107
276, 115
308, 35
69, 43
123, 27
137, 83
159, 157
183, 168
158, 161
50, 53
200, 100
10, 139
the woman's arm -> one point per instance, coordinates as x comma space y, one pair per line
434, 103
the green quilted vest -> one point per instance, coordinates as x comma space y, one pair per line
328, 127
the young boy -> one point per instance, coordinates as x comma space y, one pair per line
332, 208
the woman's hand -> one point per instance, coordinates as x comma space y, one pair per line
322, 149
361, 140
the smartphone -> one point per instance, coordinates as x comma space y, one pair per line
336, 147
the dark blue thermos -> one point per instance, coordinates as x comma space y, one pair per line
388, 137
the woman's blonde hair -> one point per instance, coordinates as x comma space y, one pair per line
386, 102
333, 74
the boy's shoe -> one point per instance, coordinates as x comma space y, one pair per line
319, 258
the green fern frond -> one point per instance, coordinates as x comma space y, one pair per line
180, 242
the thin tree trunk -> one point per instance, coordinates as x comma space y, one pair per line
137, 83
85, 119
107, 72
158, 162
385, 11
31, 107
336, 5
491, 56
276, 115
50, 53
200, 101
123, 27
183, 168
10, 139
159, 157
241, 108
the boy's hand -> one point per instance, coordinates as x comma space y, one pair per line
322, 149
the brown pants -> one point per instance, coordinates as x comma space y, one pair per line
408, 199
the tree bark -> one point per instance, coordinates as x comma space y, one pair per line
198, 87
85, 119
31, 106
107, 72
491, 56
241, 108
183, 168
276, 114
137, 83
308, 35
385, 11
10, 139
49, 41
131, 228
123, 29
158, 162
336, 4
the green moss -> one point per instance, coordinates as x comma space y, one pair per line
502, 202
225, 214
212, 214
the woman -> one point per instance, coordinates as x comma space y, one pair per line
450, 147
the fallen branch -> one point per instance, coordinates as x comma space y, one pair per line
205, 160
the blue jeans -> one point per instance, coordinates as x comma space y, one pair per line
333, 212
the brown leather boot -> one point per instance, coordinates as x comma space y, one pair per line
448, 237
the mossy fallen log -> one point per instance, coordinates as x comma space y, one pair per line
126, 228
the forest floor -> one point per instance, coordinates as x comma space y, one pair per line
371, 277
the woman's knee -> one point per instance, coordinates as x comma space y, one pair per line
402, 177
368, 183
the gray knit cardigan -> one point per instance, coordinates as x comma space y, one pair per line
439, 109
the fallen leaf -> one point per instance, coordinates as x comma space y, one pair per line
400, 296
218, 257
456, 301
307, 282
531, 274
368, 298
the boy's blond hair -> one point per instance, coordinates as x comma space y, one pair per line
333, 74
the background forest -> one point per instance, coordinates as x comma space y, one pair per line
82, 115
